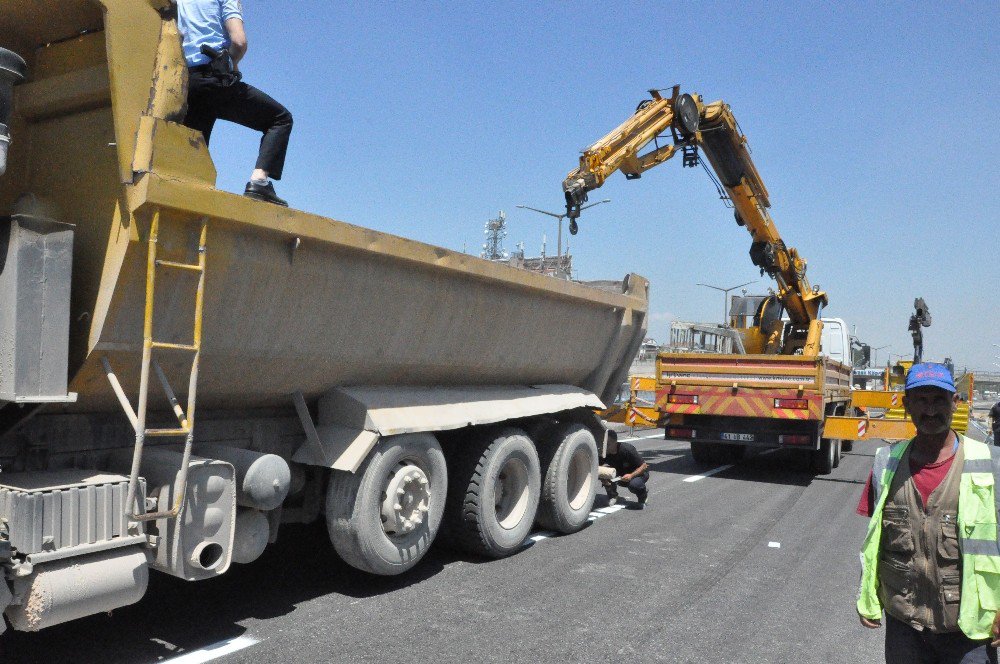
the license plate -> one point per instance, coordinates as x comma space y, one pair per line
742, 437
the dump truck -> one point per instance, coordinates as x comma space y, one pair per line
183, 370
785, 380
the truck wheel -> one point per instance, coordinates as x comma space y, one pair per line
493, 497
736, 453
704, 453
568, 457
823, 458
846, 445
383, 518
837, 454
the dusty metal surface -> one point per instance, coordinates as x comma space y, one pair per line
294, 301
35, 261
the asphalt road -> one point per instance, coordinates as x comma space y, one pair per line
755, 563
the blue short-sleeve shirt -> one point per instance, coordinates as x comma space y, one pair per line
202, 23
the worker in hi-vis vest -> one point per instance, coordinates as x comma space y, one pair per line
931, 558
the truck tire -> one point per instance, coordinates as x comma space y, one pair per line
736, 453
568, 457
383, 518
493, 497
822, 460
704, 454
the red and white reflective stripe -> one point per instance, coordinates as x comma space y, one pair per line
862, 428
635, 384
631, 416
895, 399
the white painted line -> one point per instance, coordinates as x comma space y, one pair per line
709, 473
610, 509
594, 516
538, 537
214, 651
774, 545
652, 435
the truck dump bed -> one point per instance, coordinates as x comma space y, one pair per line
293, 301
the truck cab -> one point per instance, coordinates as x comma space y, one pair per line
836, 340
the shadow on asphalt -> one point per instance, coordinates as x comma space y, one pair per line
827, 478
781, 467
177, 616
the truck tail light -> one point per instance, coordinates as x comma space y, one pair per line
675, 432
682, 398
795, 439
800, 404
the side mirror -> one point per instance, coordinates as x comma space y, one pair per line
13, 70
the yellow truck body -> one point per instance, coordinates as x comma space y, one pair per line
333, 365
725, 403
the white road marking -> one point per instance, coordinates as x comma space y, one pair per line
708, 473
774, 545
652, 435
594, 516
538, 537
214, 651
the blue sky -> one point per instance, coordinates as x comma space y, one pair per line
874, 127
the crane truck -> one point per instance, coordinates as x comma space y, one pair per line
779, 392
184, 370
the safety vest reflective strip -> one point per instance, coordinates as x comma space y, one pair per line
977, 531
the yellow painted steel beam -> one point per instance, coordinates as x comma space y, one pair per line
876, 399
863, 428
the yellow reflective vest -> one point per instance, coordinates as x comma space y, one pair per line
977, 532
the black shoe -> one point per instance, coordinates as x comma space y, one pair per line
264, 192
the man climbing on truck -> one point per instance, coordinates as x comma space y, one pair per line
214, 42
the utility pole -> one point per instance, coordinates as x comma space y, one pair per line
725, 298
560, 217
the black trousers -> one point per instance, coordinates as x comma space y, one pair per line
636, 485
905, 645
210, 99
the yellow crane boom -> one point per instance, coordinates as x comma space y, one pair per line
712, 128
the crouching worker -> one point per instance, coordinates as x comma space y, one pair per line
629, 468
931, 560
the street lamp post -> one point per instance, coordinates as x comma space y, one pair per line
875, 354
725, 298
560, 217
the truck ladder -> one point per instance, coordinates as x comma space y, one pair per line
185, 417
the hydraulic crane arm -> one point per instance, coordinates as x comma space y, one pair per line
689, 125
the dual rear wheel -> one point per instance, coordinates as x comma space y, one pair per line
485, 495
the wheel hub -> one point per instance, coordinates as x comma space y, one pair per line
406, 500
510, 498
